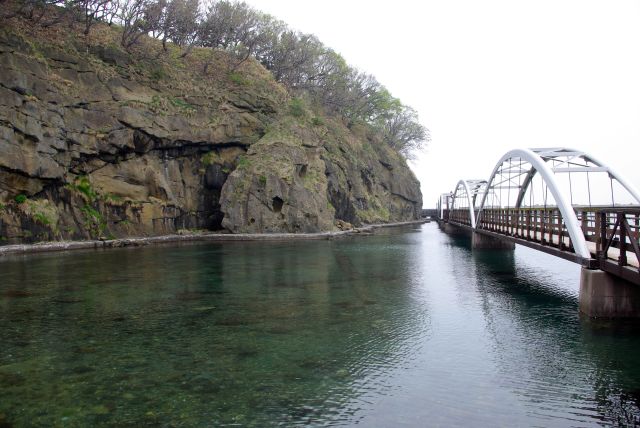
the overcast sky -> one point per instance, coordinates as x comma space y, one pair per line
489, 76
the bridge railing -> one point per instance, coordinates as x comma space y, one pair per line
611, 233
616, 233
600, 223
546, 226
460, 216
541, 225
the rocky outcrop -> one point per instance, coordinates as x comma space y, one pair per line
302, 178
95, 142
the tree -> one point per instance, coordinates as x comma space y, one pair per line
403, 132
90, 11
291, 57
180, 23
138, 17
234, 27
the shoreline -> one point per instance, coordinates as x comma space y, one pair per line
53, 246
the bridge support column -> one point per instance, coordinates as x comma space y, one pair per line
486, 242
603, 295
453, 230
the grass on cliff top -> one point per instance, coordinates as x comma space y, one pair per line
148, 63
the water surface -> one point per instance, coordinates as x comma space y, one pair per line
407, 327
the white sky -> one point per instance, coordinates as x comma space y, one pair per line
489, 76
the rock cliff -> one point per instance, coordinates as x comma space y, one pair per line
97, 142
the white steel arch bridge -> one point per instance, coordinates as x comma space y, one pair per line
558, 200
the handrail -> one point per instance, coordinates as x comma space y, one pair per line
618, 234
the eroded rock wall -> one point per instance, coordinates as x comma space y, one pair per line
92, 147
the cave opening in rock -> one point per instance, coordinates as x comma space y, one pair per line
277, 204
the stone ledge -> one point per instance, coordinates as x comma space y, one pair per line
46, 247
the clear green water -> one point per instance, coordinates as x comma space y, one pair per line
407, 327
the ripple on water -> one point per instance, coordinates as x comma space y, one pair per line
392, 329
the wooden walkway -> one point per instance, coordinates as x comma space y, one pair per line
611, 235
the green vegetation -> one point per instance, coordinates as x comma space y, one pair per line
296, 108
42, 218
158, 73
238, 78
211, 158
159, 105
109, 197
41, 211
164, 104
20, 199
311, 179
263, 180
83, 185
243, 162
94, 222
180, 104
374, 214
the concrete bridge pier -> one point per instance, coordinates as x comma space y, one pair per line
453, 230
603, 295
486, 242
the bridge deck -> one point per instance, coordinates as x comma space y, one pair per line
551, 244
613, 253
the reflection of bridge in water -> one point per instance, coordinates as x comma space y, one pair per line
563, 202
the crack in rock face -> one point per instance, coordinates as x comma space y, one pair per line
90, 149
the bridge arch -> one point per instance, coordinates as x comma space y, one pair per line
526, 163
443, 204
468, 191
463, 194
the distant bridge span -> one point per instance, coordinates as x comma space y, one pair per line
566, 203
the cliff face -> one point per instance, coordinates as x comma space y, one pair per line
95, 142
